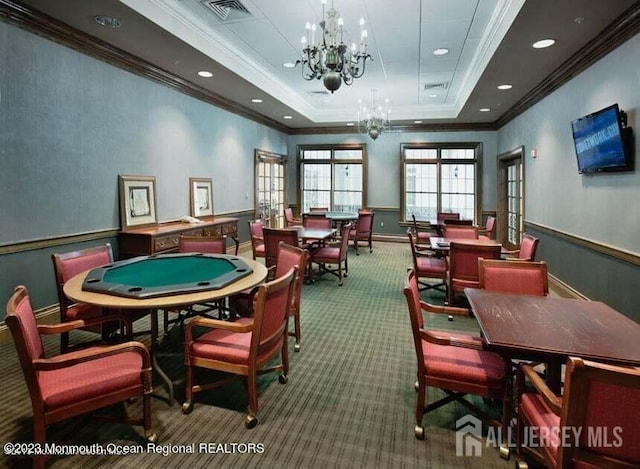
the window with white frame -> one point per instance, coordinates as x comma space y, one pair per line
439, 178
332, 176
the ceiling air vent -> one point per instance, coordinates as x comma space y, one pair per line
227, 9
436, 86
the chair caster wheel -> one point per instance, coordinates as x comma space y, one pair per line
187, 407
250, 421
419, 432
152, 438
521, 464
450, 318
504, 452
416, 386
282, 379
296, 348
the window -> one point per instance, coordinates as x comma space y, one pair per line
333, 177
439, 178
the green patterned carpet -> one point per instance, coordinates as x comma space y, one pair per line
349, 401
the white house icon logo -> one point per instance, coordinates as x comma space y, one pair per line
468, 436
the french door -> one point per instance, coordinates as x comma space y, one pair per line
510, 212
270, 190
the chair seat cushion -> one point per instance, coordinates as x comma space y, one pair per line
540, 416
90, 379
260, 249
423, 237
326, 254
477, 367
431, 266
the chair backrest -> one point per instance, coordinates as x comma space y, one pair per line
24, 330
272, 239
521, 277
442, 216
344, 239
255, 231
412, 243
460, 232
463, 259
364, 225
605, 399
528, 247
319, 209
489, 227
289, 218
69, 264
292, 256
412, 294
203, 244
271, 306
316, 221
454, 221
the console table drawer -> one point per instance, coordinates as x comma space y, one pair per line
166, 243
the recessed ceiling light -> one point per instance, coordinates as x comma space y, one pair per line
441, 51
205, 74
350, 124
485, 109
288, 65
417, 122
107, 21
433, 95
256, 100
287, 117
543, 43
505, 87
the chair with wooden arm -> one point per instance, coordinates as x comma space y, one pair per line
456, 363
463, 266
426, 266
257, 239
594, 423
528, 248
363, 230
333, 254
81, 381
487, 231
422, 230
243, 348
290, 219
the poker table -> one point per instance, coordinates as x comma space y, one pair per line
168, 274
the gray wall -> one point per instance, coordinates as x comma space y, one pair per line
70, 124
602, 207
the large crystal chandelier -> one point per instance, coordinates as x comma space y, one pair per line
374, 119
330, 58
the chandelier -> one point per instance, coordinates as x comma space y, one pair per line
374, 119
330, 58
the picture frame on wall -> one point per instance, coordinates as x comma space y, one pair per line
201, 197
137, 201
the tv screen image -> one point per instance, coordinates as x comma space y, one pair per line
599, 141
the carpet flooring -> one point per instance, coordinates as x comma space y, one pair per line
349, 401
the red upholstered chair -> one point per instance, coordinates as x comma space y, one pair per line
427, 266
363, 230
290, 219
520, 277
81, 381
334, 254
442, 216
456, 363
460, 232
257, 240
272, 239
597, 398
316, 221
463, 266
528, 248
243, 348
203, 244
422, 230
487, 231
67, 265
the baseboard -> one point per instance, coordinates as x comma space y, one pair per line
390, 238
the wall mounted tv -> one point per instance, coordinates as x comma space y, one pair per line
603, 142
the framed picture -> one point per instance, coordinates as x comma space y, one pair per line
137, 201
201, 197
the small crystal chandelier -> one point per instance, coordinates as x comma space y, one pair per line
374, 119
330, 58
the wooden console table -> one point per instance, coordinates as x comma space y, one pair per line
165, 237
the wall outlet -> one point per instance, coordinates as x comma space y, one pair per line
381, 223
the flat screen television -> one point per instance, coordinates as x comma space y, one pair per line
602, 141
